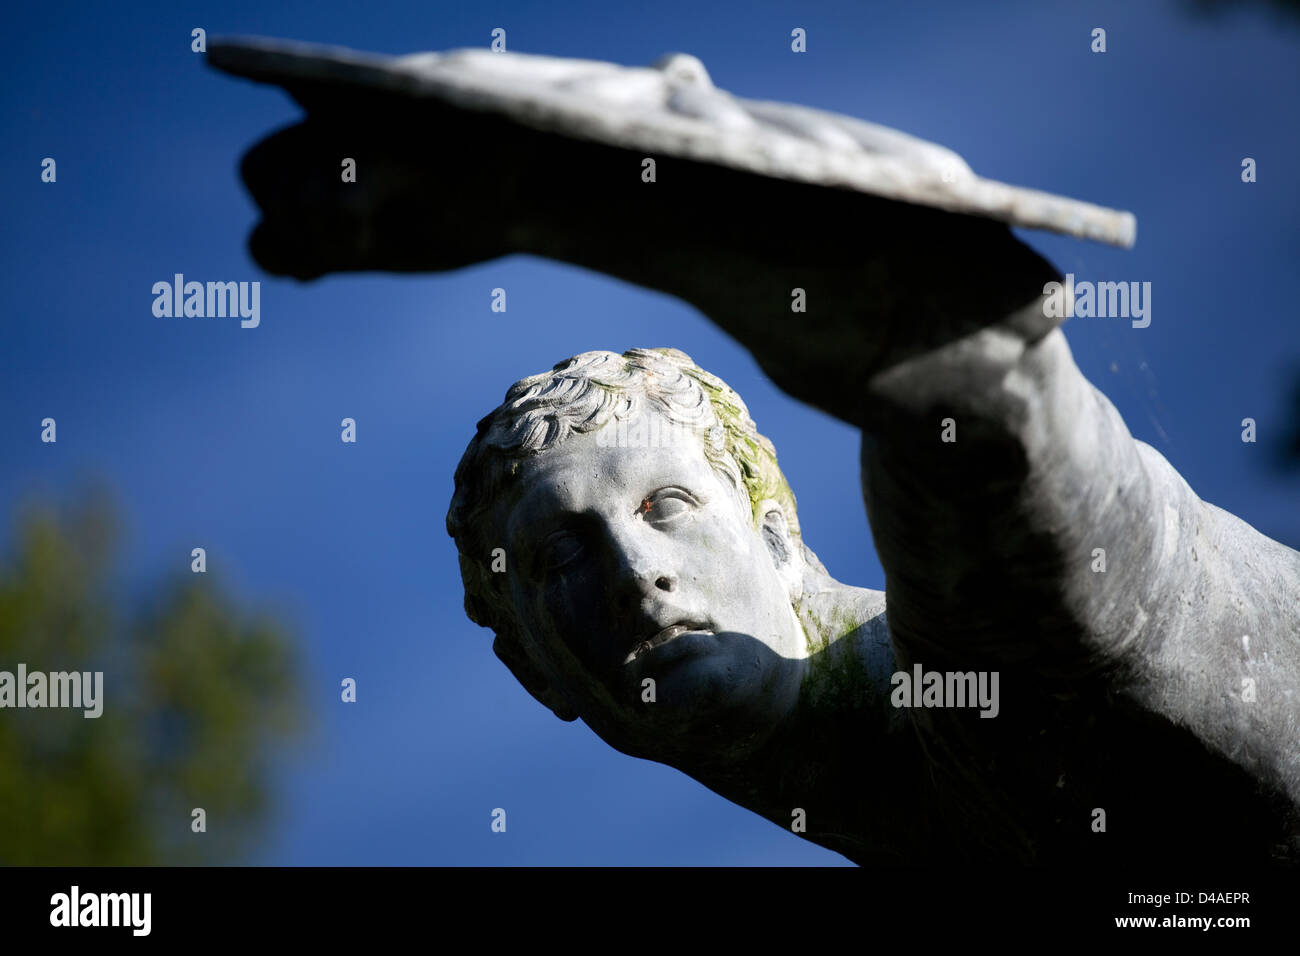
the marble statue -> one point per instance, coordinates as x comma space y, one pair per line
1074, 660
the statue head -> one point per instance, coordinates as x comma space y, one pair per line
628, 535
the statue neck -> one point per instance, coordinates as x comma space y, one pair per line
830, 758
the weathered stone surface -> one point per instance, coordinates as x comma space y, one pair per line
1123, 689
673, 109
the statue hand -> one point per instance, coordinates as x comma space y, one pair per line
351, 191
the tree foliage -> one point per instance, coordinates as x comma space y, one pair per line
198, 697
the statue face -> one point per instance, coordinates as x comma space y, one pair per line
635, 563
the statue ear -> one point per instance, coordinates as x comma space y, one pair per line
785, 554
527, 673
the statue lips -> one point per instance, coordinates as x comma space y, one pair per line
664, 636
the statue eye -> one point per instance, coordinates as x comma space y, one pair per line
667, 504
559, 549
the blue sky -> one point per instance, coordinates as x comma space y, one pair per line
228, 438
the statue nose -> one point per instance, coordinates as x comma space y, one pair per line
646, 594
650, 577
642, 569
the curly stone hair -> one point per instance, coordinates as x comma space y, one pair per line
583, 394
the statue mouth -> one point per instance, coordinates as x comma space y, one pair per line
664, 636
